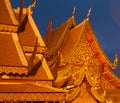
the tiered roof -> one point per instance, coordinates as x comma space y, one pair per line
22, 48
72, 60
82, 57
75, 39
28, 31
12, 57
24, 72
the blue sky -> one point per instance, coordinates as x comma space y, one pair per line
105, 19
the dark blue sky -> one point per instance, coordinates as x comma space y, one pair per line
105, 19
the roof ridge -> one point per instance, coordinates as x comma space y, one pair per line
97, 43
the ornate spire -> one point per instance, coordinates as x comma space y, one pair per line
74, 9
89, 12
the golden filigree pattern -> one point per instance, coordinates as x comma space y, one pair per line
85, 62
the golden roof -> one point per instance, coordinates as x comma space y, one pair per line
71, 48
72, 41
28, 31
57, 35
6, 13
19, 48
74, 38
82, 57
11, 54
8, 20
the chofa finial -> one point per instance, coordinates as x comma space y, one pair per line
74, 9
31, 6
89, 12
33, 3
115, 63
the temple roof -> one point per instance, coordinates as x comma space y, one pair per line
67, 42
58, 34
8, 20
12, 57
97, 49
28, 87
28, 31
6, 13
58, 37
15, 44
74, 38
29, 69
28, 34
72, 41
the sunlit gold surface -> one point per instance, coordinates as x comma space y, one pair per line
70, 67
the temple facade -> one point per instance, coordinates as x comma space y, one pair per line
67, 66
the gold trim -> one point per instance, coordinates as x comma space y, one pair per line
65, 61
80, 78
19, 49
98, 46
10, 10
36, 31
72, 95
13, 70
116, 78
100, 97
8, 28
18, 9
45, 66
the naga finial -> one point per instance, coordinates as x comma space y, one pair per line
32, 5
115, 63
89, 12
74, 9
